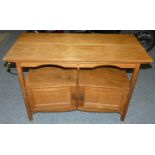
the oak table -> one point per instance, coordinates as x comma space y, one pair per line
77, 80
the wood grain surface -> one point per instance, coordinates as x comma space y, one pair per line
51, 89
104, 77
93, 89
78, 48
51, 76
76, 39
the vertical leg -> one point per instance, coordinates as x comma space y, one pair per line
77, 87
23, 88
132, 84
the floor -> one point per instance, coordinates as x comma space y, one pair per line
12, 110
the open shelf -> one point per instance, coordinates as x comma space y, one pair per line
51, 76
103, 89
104, 77
57, 89
51, 89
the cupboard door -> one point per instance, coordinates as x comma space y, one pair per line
52, 98
101, 99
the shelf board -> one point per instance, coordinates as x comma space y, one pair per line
104, 77
51, 76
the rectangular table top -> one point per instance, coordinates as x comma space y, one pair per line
48, 47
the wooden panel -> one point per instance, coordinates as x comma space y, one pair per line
51, 89
23, 89
92, 65
51, 76
56, 64
75, 65
132, 84
47, 48
51, 53
103, 89
52, 98
98, 99
98, 110
76, 39
104, 77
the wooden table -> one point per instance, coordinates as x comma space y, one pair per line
77, 51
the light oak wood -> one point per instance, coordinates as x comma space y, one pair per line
23, 88
100, 99
77, 87
132, 84
103, 89
52, 98
52, 89
46, 53
77, 39
51, 76
47, 48
60, 89
104, 77
75, 65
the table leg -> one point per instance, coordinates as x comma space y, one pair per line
77, 87
132, 84
23, 88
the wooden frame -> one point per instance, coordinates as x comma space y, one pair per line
77, 51
78, 96
23, 88
132, 85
